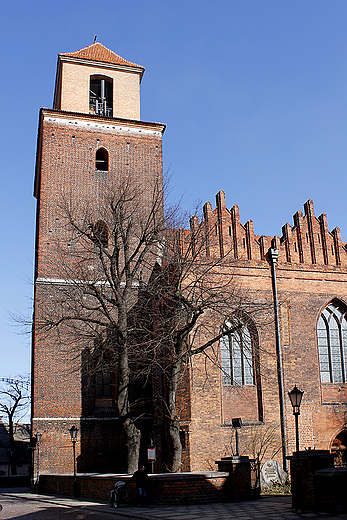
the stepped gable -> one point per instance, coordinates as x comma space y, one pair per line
225, 236
98, 52
309, 241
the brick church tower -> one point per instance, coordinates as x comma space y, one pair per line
92, 136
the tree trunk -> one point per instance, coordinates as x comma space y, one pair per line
133, 444
12, 452
133, 434
174, 428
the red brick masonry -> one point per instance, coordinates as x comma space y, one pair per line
164, 488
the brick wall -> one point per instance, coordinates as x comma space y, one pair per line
311, 272
66, 177
75, 90
164, 489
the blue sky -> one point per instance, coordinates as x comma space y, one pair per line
253, 92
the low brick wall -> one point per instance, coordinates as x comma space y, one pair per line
304, 493
330, 490
164, 488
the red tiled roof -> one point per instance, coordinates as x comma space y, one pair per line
98, 52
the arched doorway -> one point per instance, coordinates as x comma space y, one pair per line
339, 448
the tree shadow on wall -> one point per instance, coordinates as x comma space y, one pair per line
103, 441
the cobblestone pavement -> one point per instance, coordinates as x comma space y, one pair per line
19, 508
23, 505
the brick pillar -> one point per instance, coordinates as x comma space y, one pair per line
239, 482
310, 461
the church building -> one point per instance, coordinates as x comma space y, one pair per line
94, 134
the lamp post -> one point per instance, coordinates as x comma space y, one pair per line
273, 255
295, 397
237, 423
73, 434
38, 440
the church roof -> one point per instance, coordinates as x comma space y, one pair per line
98, 52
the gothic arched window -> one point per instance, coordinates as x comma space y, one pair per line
101, 159
237, 356
332, 344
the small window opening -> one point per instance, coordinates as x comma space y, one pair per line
318, 237
244, 243
101, 160
229, 231
295, 248
216, 229
103, 384
306, 237
332, 249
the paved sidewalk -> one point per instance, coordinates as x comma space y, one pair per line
270, 507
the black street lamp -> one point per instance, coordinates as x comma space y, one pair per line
73, 434
38, 440
237, 423
295, 397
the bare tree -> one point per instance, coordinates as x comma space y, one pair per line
140, 291
14, 400
200, 303
262, 441
106, 256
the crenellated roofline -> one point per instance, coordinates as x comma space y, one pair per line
308, 241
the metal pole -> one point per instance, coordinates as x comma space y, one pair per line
74, 468
297, 434
237, 442
298, 469
273, 254
38, 467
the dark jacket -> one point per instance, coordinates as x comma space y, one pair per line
141, 478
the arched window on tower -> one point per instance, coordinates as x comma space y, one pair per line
101, 160
332, 344
237, 355
100, 233
101, 96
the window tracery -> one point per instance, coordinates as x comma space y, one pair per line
237, 356
332, 344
